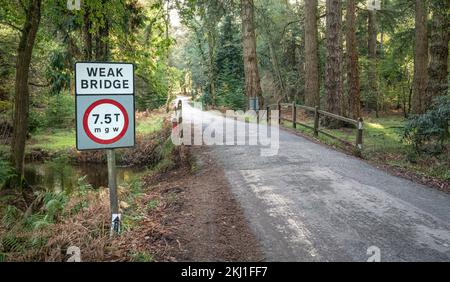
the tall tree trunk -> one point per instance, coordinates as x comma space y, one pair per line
87, 36
252, 80
312, 97
333, 75
438, 67
102, 43
352, 61
276, 67
372, 71
211, 66
102, 36
22, 94
420, 58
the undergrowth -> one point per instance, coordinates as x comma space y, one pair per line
55, 221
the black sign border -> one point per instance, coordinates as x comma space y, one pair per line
76, 107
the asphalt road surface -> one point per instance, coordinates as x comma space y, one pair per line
311, 203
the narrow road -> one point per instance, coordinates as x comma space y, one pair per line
311, 203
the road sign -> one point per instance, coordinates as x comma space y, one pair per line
105, 116
104, 78
104, 105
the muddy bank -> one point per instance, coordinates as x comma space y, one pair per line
204, 221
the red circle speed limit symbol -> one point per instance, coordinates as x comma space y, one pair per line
105, 121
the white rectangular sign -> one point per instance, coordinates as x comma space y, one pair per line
104, 78
104, 105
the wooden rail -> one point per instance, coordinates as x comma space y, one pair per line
317, 113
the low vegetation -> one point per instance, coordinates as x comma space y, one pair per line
44, 229
416, 147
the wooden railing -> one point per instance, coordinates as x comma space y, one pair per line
316, 127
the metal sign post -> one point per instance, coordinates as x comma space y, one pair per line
105, 116
113, 201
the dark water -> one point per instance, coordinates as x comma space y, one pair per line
61, 176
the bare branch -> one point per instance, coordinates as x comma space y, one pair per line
288, 24
11, 25
39, 85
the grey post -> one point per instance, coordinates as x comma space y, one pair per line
316, 121
279, 113
268, 114
180, 117
294, 115
359, 135
114, 205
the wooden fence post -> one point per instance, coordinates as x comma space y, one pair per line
359, 135
279, 113
294, 115
316, 121
268, 114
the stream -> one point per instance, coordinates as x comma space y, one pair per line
60, 175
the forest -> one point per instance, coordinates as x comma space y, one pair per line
385, 61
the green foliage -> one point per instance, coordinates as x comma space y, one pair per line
13, 243
83, 185
142, 257
431, 126
136, 186
11, 215
6, 171
229, 65
5, 106
36, 121
60, 111
153, 204
58, 73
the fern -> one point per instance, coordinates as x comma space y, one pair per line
83, 185
54, 204
12, 243
37, 242
6, 171
10, 216
32, 220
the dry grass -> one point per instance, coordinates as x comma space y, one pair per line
84, 219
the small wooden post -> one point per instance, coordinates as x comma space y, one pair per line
294, 115
279, 113
268, 114
359, 135
316, 121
